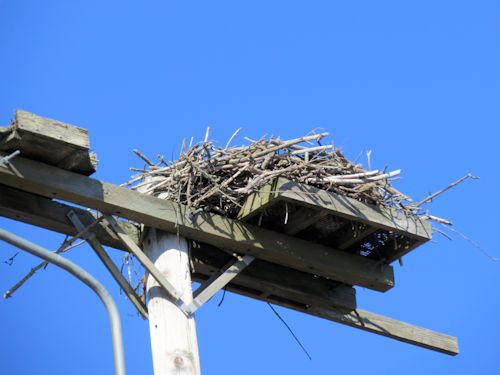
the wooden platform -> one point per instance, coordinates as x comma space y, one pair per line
334, 220
311, 246
263, 281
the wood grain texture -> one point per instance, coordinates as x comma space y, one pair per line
29, 123
174, 343
48, 214
50, 141
208, 228
373, 323
261, 280
270, 279
262, 276
335, 204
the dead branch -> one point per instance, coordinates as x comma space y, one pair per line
432, 196
63, 248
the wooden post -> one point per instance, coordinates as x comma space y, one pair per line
173, 335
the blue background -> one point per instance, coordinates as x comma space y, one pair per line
417, 82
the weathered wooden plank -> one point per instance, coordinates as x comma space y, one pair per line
205, 227
265, 280
392, 328
50, 141
335, 204
370, 322
46, 213
267, 277
135, 249
29, 123
259, 201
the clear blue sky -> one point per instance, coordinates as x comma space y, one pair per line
417, 82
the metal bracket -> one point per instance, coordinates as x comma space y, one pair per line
108, 262
217, 281
6, 159
206, 291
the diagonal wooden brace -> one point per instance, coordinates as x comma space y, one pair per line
108, 262
131, 246
218, 281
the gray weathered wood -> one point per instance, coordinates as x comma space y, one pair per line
131, 246
373, 323
49, 214
209, 228
262, 276
302, 219
218, 281
50, 141
261, 280
110, 265
29, 123
265, 278
174, 344
335, 204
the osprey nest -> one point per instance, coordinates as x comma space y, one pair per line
219, 179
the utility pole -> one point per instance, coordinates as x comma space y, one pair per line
174, 344
42, 159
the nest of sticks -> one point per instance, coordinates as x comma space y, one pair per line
219, 179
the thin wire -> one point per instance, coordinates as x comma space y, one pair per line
472, 242
10, 261
223, 295
290, 330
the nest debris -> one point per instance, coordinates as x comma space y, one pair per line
219, 179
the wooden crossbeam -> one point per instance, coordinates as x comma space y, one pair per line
266, 279
49, 181
48, 214
374, 323
261, 280
275, 279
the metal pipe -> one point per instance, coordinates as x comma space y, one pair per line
87, 279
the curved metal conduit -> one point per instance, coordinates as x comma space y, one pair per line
87, 279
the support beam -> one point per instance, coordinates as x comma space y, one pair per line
48, 214
110, 265
373, 323
204, 227
218, 281
174, 343
261, 280
131, 246
261, 276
